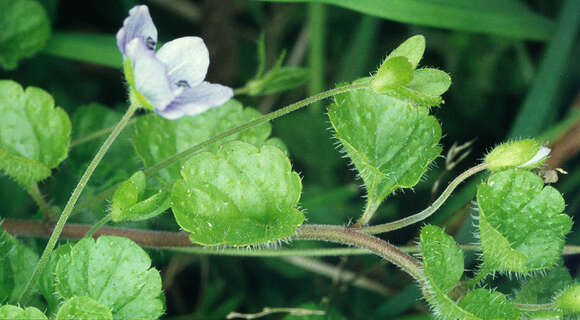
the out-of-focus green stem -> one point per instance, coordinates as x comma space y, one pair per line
317, 26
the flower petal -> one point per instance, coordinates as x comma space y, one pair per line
186, 60
149, 74
196, 100
138, 25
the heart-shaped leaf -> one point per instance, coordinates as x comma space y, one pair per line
240, 195
83, 308
8, 312
34, 135
521, 224
130, 203
157, 139
116, 273
390, 141
25, 29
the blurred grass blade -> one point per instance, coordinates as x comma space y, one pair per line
501, 17
98, 49
354, 64
540, 105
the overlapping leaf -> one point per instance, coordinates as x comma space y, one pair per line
25, 30
157, 139
115, 272
34, 135
130, 201
443, 267
239, 195
83, 308
521, 224
390, 141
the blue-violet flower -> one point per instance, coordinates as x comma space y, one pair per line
169, 81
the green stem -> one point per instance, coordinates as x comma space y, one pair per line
71, 203
349, 236
98, 225
265, 118
36, 195
371, 208
97, 134
317, 26
258, 121
407, 221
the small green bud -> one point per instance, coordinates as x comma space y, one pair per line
569, 300
527, 154
393, 73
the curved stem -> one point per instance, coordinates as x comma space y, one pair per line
108, 217
265, 118
407, 221
349, 236
72, 201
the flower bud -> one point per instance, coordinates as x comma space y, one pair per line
569, 300
527, 154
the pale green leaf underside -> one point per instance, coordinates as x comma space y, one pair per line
488, 305
501, 17
34, 135
522, 227
115, 272
157, 139
238, 196
25, 29
83, 308
8, 312
17, 263
390, 142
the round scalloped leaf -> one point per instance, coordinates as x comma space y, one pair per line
83, 308
17, 263
34, 135
489, 305
25, 29
131, 204
8, 312
521, 224
157, 139
238, 196
390, 142
114, 271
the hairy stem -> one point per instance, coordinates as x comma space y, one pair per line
36, 195
72, 201
258, 121
349, 236
407, 221
98, 225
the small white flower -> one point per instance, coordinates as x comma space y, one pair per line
542, 154
170, 81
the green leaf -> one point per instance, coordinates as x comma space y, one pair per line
542, 287
17, 263
34, 135
157, 139
425, 89
443, 268
390, 142
239, 195
47, 279
83, 308
521, 224
500, 17
115, 272
278, 80
9, 312
25, 30
490, 305
393, 73
412, 49
130, 202
99, 49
